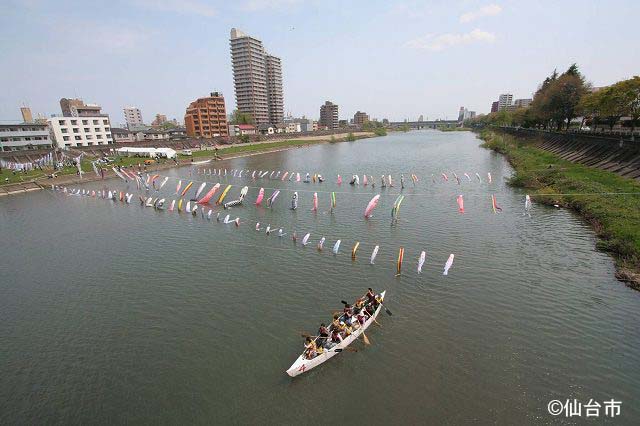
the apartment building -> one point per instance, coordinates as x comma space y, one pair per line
207, 117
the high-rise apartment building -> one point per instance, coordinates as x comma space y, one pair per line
257, 78
359, 118
329, 115
275, 97
133, 116
207, 117
494, 106
504, 101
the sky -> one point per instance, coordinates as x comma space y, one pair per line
391, 59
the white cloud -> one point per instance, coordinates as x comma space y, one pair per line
489, 10
185, 7
257, 5
440, 42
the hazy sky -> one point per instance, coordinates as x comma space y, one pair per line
390, 59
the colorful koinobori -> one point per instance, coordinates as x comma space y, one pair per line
292, 176
159, 203
126, 176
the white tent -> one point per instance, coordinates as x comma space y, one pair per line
147, 152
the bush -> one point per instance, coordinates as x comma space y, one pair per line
351, 137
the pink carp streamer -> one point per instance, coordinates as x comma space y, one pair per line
445, 177
489, 177
339, 181
209, 194
460, 204
315, 202
494, 205
372, 205
260, 197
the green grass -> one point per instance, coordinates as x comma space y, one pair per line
241, 148
552, 180
36, 174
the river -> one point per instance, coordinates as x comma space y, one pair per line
113, 313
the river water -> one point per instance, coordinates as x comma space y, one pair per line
113, 313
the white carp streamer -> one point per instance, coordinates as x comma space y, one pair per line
448, 264
423, 256
374, 254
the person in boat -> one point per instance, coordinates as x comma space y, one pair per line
353, 180
307, 178
320, 178
336, 337
335, 324
347, 314
371, 296
402, 181
361, 318
348, 329
310, 350
358, 305
323, 335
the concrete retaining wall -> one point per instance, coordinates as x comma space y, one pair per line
593, 151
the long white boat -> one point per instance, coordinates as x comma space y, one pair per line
303, 364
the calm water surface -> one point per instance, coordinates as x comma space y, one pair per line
113, 313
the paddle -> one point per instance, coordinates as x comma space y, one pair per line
366, 339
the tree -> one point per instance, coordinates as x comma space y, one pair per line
563, 96
167, 125
238, 117
630, 97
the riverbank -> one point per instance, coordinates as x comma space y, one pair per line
224, 151
610, 203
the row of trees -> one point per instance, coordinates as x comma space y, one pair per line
561, 98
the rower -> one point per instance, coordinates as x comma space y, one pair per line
348, 314
323, 335
371, 296
310, 348
335, 336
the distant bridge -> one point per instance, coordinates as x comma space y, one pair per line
434, 124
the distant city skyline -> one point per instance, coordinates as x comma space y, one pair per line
160, 55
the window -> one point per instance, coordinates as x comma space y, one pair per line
74, 122
66, 138
85, 122
95, 121
89, 137
78, 138
4, 139
97, 129
27, 139
76, 130
108, 135
98, 136
105, 122
89, 143
106, 129
63, 130
61, 122
87, 129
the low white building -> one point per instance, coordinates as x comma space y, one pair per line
24, 136
293, 128
81, 130
133, 151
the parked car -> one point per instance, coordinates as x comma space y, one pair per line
187, 152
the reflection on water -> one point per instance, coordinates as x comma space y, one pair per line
126, 314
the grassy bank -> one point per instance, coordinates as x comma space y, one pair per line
595, 194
